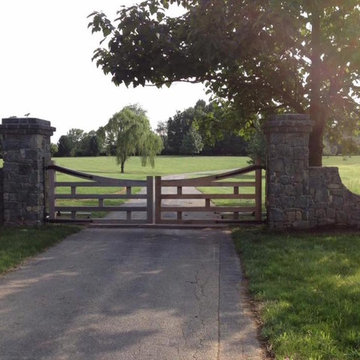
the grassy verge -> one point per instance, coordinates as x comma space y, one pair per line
307, 287
16, 244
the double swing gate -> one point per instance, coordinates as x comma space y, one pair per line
231, 197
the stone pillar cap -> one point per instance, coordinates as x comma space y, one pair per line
27, 125
289, 123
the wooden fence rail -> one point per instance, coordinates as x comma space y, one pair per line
97, 181
225, 214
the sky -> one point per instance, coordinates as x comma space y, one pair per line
46, 68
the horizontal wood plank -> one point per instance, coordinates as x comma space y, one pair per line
207, 209
208, 196
117, 183
99, 196
190, 183
100, 208
209, 221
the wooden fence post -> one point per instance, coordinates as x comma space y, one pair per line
149, 199
157, 199
258, 192
51, 193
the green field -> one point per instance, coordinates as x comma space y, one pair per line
349, 167
164, 165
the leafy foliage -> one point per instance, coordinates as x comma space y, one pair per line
211, 121
260, 56
129, 133
65, 146
79, 143
192, 143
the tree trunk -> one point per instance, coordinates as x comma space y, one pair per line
317, 114
122, 166
316, 139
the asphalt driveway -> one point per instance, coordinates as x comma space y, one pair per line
129, 294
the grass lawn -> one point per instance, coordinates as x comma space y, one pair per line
164, 165
349, 168
16, 244
307, 287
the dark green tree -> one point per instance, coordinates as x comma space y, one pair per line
89, 145
53, 149
192, 143
260, 56
65, 146
177, 127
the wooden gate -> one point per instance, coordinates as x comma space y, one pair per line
237, 210
72, 212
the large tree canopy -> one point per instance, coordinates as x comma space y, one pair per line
261, 56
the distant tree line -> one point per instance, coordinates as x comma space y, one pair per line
200, 130
196, 130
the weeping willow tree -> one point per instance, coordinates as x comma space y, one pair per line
129, 133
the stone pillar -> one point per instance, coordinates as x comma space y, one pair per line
1, 198
287, 168
26, 152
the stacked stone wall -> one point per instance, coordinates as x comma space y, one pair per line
1, 198
332, 203
300, 196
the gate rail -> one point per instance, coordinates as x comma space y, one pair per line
211, 181
97, 181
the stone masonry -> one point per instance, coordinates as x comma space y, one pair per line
26, 152
1, 198
287, 164
333, 203
300, 196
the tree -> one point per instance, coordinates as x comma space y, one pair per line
65, 146
69, 144
89, 145
260, 56
75, 137
129, 132
54, 149
209, 121
151, 147
192, 143
177, 127
161, 130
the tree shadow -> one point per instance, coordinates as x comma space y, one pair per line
119, 294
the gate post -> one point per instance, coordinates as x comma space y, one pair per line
51, 192
150, 199
287, 171
157, 199
258, 192
26, 151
